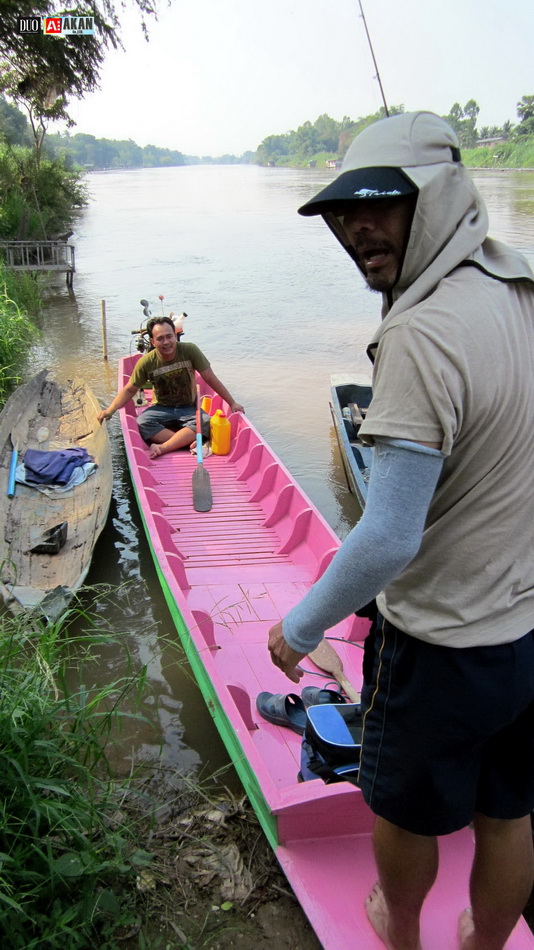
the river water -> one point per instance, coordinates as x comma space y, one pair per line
277, 307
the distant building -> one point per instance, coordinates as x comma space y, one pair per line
333, 163
489, 142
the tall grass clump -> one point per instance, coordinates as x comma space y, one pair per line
64, 854
17, 330
25, 288
40, 199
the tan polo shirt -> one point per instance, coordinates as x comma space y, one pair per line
458, 369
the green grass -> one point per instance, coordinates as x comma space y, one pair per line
518, 153
65, 857
17, 329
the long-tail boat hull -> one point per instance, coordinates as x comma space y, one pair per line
228, 575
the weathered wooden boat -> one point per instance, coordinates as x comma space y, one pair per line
228, 575
47, 540
349, 399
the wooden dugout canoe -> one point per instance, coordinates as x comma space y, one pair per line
44, 415
347, 392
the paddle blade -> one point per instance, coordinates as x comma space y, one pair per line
202, 498
325, 657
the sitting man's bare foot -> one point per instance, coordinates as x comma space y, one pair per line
155, 451
378, 916
466, 929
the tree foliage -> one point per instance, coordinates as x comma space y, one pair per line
72, 63
38, 202
328, 139
525, 108
41, 73
464, 122
13, 125
325, 136
86, 151
525, 111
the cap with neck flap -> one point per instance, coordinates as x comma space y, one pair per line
417, 153
378, 161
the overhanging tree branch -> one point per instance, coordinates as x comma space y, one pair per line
71, 63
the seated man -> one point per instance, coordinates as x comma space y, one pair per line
170, 422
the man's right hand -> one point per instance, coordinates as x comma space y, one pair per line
103, 414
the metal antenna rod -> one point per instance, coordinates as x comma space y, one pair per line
374, 60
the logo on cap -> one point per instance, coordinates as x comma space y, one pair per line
375, 193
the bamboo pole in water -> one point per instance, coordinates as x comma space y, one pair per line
104, 332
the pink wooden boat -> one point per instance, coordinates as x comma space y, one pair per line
228, 575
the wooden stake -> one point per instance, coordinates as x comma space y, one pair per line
104, 336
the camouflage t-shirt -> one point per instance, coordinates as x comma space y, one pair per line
173, 382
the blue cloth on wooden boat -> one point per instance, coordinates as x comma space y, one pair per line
79, 475
54, 467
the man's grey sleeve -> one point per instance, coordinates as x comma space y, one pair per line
403, 479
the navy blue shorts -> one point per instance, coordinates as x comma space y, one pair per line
155, 418
447, 732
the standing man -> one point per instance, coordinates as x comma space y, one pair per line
446, 542
170, 422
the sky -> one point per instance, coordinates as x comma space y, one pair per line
219, 76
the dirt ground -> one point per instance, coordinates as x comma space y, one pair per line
214, 883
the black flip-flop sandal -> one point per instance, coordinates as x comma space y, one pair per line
283, 710
315, 696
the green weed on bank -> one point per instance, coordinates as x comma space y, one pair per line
64, 853
17, 331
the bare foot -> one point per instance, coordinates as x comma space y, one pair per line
155, 451
466, 929
378, 916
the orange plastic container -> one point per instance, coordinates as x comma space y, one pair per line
220, 433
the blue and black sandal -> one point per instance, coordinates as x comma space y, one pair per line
283, 710
314, 696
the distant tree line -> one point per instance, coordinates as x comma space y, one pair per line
464, 122
87, 152
326, 138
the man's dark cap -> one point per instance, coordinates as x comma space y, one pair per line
360, 183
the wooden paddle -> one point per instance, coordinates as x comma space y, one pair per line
202, 497
325, 657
